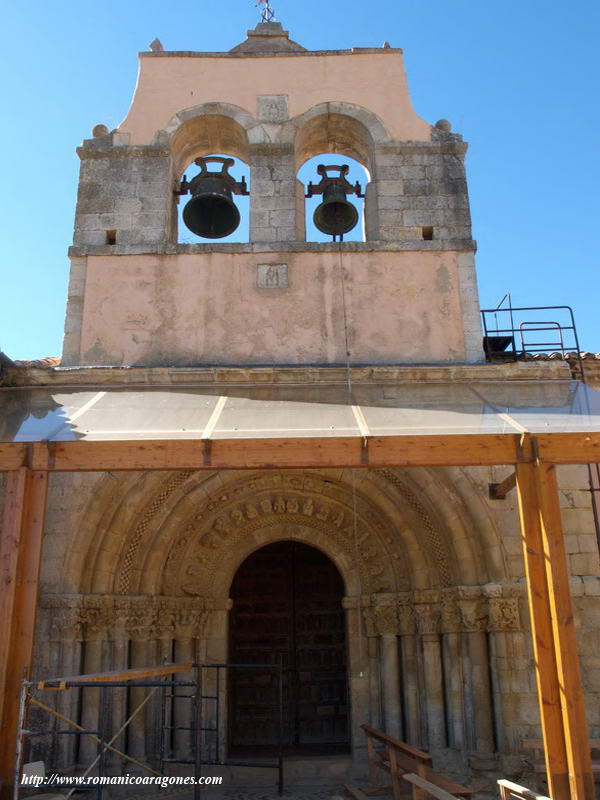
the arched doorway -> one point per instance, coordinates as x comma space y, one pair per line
287, 603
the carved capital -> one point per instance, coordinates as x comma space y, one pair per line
474, 613
386, 620
406, 619
370, 624
451, 619
504, 614
66, 625
428, 618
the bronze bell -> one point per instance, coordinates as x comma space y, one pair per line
335, 215
211, 213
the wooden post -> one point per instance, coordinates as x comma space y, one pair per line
20, 556
564, 728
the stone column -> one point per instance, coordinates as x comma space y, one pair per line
119, 661
276, 196
507, 674
386, 623
474, 619
141, 623
96, 622
410, 672
359, 685
189, 627
428, 622
65, 635
375, 715
453, 673
216, 649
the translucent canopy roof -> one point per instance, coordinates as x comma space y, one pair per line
307, 410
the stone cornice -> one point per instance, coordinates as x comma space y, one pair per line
280, 248
190, 377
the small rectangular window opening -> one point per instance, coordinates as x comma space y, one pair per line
427, 232
111, 237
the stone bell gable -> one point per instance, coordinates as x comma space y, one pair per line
138, 297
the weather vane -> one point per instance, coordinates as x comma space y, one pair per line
266, 14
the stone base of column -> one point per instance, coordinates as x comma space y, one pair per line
483, 762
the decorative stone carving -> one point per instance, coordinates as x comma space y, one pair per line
157, 502
504, 614
386, 620
474, 613
94, 617
370, 623
212, 535
406, 617
428, 618
436, 544
451, 619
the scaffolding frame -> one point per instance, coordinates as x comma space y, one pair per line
155, 679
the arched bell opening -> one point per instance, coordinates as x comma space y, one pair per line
213, 200
334, 198
287, 607
336, 138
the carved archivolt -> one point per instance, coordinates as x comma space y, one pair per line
434, 540
88, 617
157, 502
462, 609
357, 535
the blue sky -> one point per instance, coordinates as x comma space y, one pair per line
519, 80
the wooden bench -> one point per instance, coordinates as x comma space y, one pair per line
399, 759
512, 791
536, 746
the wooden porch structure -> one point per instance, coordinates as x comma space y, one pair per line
534, 456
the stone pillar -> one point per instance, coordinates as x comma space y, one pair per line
453, 673
509, 671
428, 622
410, 672
190, 623
391, 685
475, 619
140, 630
119, 661
182, 707
386, 622
375, 710
94, 632
217, 631
276, 197
359, 684
65, 639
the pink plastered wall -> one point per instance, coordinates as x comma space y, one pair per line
207, 308
375, 81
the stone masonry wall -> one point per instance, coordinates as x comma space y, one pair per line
125, 192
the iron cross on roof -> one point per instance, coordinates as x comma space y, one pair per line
266, 14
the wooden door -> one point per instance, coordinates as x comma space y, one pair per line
287, 605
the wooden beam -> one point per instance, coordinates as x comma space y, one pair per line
135, 674
333, 451
560, 692
473, 449
569, 448
498, 491
20, 552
